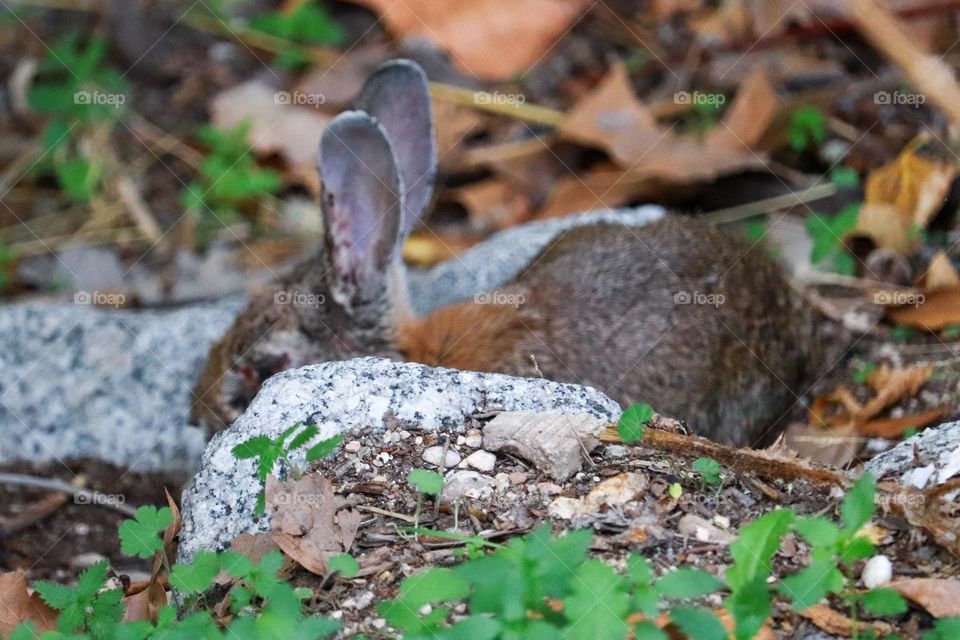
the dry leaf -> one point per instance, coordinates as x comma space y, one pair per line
20, 606
492, 204
891, 386
836, 623
894, 428
604, 187
941, 273
837, 446
491, 39
901, 198
939, 596
146, 604
307, 523
277, 124
940, 309
254, 545
749, 116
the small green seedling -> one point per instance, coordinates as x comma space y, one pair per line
828, 235
630, 426
269, 451
307, 24
141, 536
863, 371
808, 127
845, 177
709, 470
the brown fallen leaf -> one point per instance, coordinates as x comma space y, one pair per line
835, 622
894, 428
836, 446
603, 187
492, 204
939, 596
21, 606
940, 309
901, 198
749, 116
491, 39
308, 523
145, 604
940, 274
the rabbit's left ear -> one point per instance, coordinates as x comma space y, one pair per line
398, 96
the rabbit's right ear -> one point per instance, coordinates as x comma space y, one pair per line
398, 96
362, 204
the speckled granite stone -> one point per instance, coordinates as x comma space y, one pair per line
351, 397
501, 256
936, 449
116, 385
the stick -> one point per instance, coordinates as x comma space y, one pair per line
92, 497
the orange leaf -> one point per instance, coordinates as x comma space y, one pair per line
893, 428
939, 596
939, 310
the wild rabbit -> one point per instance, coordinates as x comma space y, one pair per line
676, 313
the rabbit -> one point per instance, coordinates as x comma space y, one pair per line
677, 313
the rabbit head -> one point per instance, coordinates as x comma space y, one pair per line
377, 168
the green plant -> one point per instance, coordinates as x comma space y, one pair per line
84, 98
903, 333
828, 234
845, 177
6, 259
307, 24
632, 421
269, 451
229, 179
709, 470
808, 126
864, 370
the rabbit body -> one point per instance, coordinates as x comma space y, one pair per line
677, 313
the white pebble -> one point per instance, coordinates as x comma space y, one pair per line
877, 572
433, 455
474, 439
481, 460
353, 446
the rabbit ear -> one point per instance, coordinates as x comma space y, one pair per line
362, 203
398, 96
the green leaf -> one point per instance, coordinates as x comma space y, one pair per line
687, 582
845, 177
810, 585
883, 602
630, 426
306, 434
944, 629
197, 576
648, 631
749, 605
599, 604
709, 470
433, 585
638, 570
699, 623
426, 481
324, 448
252, 448
860, 375
754, 548
817, 530
857, 506
140, 536
474, 628
856, 548
345, 564
807, 126
23, 631
79, 177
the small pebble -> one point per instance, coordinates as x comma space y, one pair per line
721, 521
519, 477
877, 572
353, 446
481, 460
384, 457
474, 438
433, 455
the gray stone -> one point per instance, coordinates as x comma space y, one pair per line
936, 447
480, 460
433, 455
469, 485
111, 384
355, 397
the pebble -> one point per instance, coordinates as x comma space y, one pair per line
466, 484
353, 446
433, 455
481, 460
877, 572
474, 438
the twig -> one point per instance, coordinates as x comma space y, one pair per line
769, 205
34, 513
487, 102
49, 484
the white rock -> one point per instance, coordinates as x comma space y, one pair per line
937, 446
433, 455
474, 439
466, 484
877, 572
353, 398
481, 460
353, 446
